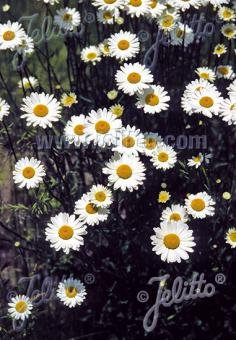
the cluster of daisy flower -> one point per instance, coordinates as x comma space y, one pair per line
13, 37
173, 239
202, 97
71, 292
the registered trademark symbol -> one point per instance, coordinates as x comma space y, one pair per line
220, 278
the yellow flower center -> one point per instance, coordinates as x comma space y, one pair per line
66, 232
171, 241
69, 100
123, 45
197, 159
91, 209
100, 196
175, 217
28, 172
106, 48
67, 17
152, 99
179, 33
21, 306
163, 157
134, 78
102, 127
26, 85
128, 142
233, 107
206, 102
229, 32
107, 15
109, 2
153, 4
135, 3
198, 204
124, 171
204, 75
91, 55
40, 110
167, 20
232, 236
219, 50
227, 14
79, 129
163, 197
117, 110
223, 70
8, 35
150, 143
71, 292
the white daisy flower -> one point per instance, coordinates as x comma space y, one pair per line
229, 31
67, 18
194, 87
206, 73
176, 213
105, 49
101, 196
41, 110
151, 142
91, 54
196, 161
137, 8
182, 34
168, 20
206, 102
75, 130
164, 157
71, 292
26, 46
102, 127
4, 109
173, 241
108, 16
156, 8
88, 212
69, 99
11, 35
198, 85
225, 71
183, 5
20, 307
132, 78
125, 172
28, 173
109, 4
28, 83
200, 205
219, 50
65, 232
231, 237
153, 99
226, 13
228, 110
123, 45
130, 141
